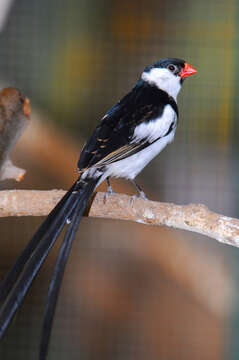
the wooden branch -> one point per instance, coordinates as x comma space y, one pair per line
14, 117
196, 218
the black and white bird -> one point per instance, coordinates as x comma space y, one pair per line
127, 138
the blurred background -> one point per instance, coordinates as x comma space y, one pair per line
130, 291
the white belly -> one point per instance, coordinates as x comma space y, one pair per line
130, 167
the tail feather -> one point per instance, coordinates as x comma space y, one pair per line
25, 269
16, 269
58, 272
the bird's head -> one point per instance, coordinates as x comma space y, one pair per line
168, 74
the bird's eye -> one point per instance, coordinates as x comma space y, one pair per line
171, 67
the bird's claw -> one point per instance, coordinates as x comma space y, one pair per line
107, 194
140, 195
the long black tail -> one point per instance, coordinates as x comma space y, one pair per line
21, 275
58, 273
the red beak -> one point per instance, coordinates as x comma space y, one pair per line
187, 70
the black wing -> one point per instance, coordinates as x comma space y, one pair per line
113, 135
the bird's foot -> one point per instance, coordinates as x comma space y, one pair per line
140, 195
109, 192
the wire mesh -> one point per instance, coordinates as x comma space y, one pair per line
75, 59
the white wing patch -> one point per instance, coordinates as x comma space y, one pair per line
156, 128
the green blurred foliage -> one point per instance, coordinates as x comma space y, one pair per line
76, 58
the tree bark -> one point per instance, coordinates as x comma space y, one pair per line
193, 217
